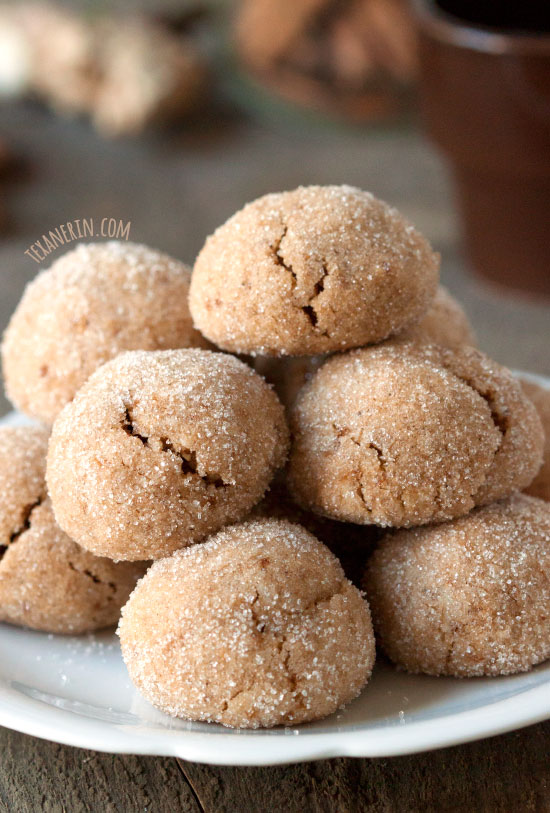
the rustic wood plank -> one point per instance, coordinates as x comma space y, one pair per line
507, 773
36, 775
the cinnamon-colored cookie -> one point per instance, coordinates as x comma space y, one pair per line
254, 628
160, 449
47, 581
22, 476
93, 303
318, 269
468, 597
404, 434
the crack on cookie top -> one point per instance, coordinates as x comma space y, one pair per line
187, 457
280, 260
309, 308
96, 580
24, 526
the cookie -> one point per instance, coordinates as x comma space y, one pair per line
311, 271
468, 597
93, 303
48, 582
255, 627
161, 448
405, 434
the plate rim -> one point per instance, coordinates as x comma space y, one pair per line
443, 731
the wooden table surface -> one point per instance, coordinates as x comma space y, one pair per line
175, 189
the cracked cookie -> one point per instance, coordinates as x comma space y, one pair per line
256, 627
93, 303
469, 597
48, 582
404, 434
311, 271
161, 448
540, 397
445, 323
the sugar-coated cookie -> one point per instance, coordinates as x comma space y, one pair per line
445, 323
255, 627
93, 303
161, 448
468, 597
47, 581
318, 269
404, 434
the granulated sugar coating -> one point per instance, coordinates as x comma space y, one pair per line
445, 323
404, 434
468, 597
257, 627
318, 269
48, 582
93, 303
540, 397
160, 449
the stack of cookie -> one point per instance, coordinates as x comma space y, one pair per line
403, 438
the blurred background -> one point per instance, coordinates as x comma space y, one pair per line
173, 114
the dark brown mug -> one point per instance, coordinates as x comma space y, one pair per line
486, 98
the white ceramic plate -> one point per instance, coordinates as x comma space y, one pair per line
77, 691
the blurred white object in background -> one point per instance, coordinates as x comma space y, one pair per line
15, 56
124, 72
